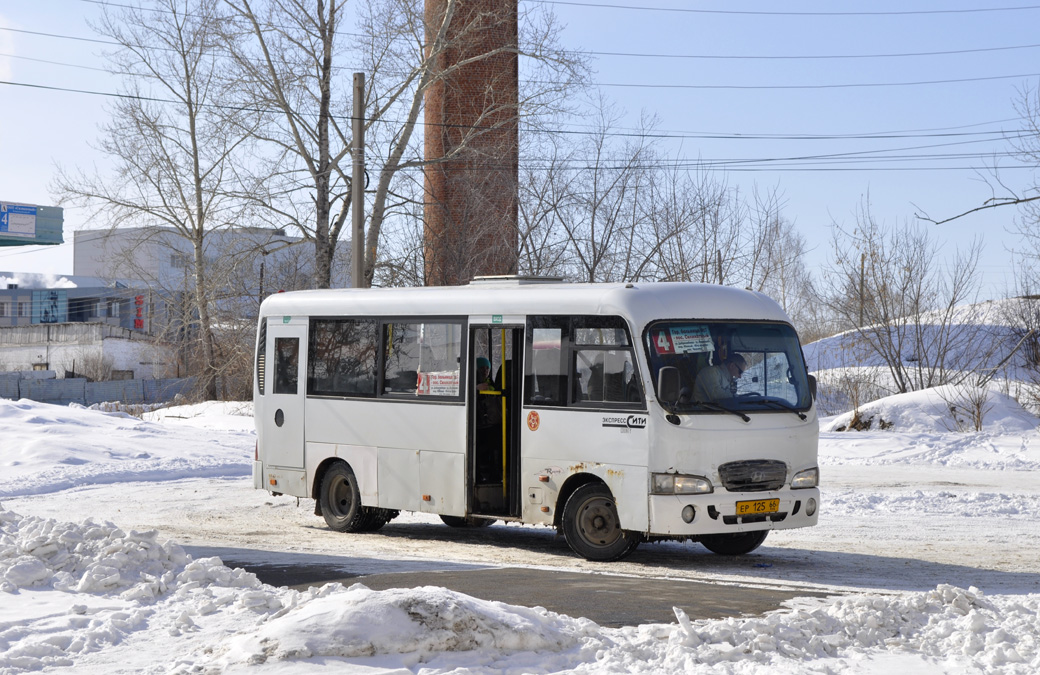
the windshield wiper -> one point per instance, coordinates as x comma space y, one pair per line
776, 404
721, 408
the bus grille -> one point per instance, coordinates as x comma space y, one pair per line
758, 475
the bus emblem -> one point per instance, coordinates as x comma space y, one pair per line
533, 421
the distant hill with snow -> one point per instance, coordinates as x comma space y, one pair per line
975, 343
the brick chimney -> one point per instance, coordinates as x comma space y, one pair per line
470, 208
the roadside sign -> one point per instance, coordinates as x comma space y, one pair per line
27, 225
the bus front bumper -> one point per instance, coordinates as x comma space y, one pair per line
717, 513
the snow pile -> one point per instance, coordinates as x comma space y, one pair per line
47, 448
89, 557
944, 625
420, 622
973, 336
933, 503
91, 591
937, 410
224, 415
102, 580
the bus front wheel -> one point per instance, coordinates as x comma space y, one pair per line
341, 500
734, 544
592, 527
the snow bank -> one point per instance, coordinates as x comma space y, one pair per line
48, 448
81, 589
938, 410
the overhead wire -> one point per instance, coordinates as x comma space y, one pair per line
742, 12
941, 133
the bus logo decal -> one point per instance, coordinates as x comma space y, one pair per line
630, 422
533, 421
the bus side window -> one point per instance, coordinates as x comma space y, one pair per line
545, 378
604, 361
422, 358
343, 357
287, 363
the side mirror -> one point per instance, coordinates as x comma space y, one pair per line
668, 385
812, 386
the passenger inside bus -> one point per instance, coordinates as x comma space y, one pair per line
719, 382
488, 422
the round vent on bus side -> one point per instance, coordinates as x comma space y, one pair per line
756, 475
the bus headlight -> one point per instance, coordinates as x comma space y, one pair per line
680, 484
809, 478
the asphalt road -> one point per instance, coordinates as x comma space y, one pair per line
608, 600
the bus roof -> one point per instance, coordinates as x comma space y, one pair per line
640, 302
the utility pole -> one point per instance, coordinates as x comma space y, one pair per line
357, 186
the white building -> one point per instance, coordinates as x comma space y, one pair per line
79, 324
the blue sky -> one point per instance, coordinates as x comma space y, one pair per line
731, 69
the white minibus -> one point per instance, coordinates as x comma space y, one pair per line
616, 413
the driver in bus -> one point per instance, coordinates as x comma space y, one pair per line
719, 382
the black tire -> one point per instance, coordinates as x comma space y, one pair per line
592, 527
341, 500
375, 518
734, 544
459, 521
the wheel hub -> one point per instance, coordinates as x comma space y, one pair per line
598, 525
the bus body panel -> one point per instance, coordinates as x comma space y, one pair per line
387, 423
608, 444
430, 439
399, 479
442, 484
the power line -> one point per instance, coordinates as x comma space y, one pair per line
783, 57
676, 134
60, 63
736, 12
849, 85
59, 36
712, 57
990, 135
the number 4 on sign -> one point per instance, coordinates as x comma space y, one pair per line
664, 343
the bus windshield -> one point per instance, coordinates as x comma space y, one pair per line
736, 366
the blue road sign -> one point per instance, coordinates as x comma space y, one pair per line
25, 224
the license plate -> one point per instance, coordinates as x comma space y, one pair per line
758, 506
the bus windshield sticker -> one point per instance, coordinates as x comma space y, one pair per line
690, 339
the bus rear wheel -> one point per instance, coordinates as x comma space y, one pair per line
341, 500
592, 527
734, 544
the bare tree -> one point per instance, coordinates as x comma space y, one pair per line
171, 146
290, 75
917, 319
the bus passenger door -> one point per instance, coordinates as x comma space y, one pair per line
284, 400
493, 448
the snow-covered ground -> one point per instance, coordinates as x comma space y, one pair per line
928, 540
